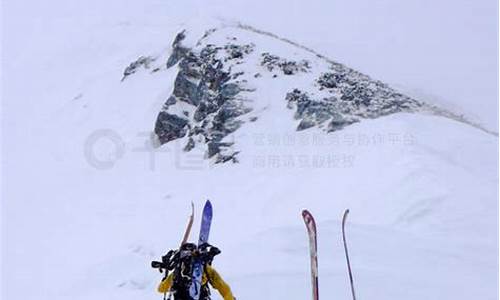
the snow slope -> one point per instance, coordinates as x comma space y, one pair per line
422, 190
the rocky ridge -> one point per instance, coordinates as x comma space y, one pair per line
218, 76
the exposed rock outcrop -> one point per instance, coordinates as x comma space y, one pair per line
231, 74
207, 97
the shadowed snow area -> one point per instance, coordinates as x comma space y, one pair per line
88, 200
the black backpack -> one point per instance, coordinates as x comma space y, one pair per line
180, 263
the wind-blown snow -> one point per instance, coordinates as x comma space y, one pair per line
423, 190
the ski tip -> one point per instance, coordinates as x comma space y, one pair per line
207, 209
192, 209
306, 212
344, 217
307, 216
309, 220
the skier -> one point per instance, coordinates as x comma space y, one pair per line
178, 282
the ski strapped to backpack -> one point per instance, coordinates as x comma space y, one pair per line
198, 263
171, 259
187, 263
313, 251
167, 259
180, 262
189, 226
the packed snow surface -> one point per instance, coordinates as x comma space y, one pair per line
88, 202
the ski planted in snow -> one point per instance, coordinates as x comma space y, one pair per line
313, 250
196, 278
344, 218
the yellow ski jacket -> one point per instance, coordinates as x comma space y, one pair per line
213, 278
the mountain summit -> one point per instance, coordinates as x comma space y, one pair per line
230, 74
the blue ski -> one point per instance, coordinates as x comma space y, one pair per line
196, 279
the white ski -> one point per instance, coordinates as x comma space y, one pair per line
344, 218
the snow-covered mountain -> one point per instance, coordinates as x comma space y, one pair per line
90, 197
230, 74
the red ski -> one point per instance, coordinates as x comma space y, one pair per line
313, 249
